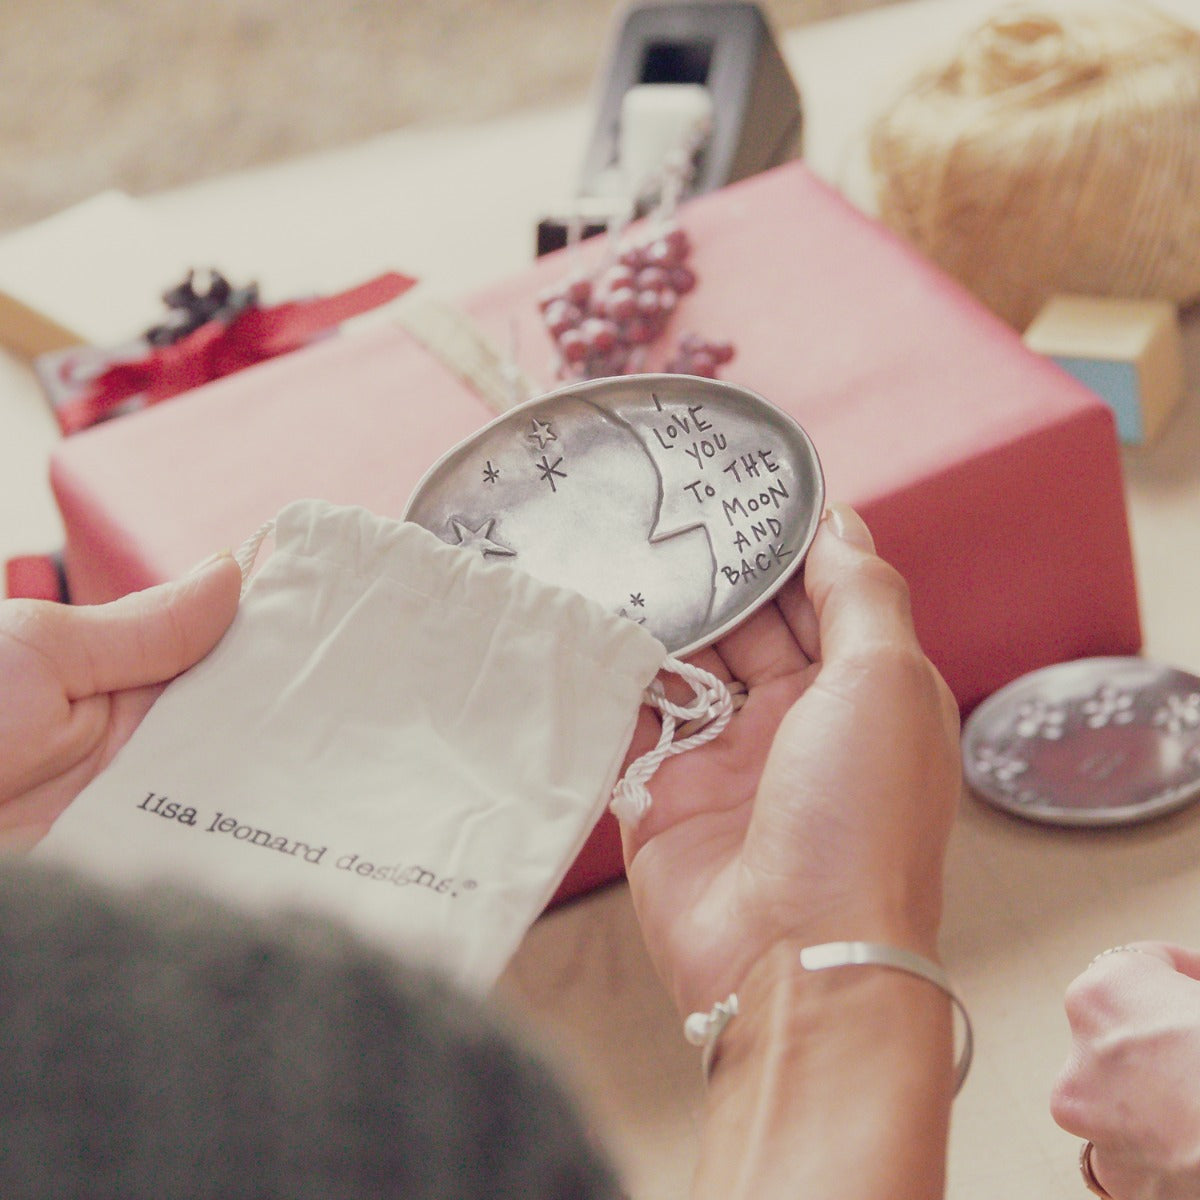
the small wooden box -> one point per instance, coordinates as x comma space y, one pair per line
1127, 351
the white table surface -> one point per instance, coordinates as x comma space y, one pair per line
1027, 906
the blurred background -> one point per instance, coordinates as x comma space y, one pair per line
144, 95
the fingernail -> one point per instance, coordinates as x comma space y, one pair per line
204, 564
848, 526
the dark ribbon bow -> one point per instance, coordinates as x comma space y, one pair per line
221, 347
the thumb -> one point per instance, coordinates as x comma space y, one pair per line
861, 602
144, 638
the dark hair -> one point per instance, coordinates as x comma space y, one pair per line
154, 1046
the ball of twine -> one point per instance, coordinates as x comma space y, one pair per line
1057, 151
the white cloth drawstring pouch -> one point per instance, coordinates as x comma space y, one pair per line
395, 732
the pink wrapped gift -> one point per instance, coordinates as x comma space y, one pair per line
990, 478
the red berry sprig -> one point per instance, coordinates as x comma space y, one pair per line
695, 355
603, 324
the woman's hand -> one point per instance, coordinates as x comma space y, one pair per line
1129, 1085
76, 681
822, 812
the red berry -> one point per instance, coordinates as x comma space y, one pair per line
560, 317
579, 290
663, 254
600, 335
722, 351
617, 277
683, 279
639, 331
633, 256
620, 304
573, 346
652, 279
676, 237
702, 363
649, 303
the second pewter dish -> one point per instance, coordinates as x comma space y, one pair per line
678, 502
1095, 742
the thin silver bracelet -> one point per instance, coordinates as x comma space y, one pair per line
704, 1029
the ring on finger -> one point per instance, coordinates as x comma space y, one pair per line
1090, 1181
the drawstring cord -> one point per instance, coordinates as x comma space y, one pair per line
247, 552
711, 703
707, 714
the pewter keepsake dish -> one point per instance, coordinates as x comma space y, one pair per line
678, 502
1098, 741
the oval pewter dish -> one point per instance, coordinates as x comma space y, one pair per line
678, 502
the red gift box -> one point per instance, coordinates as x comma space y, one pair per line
990, 478
34, 577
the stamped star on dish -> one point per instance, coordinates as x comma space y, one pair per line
548, 470
480, 539
542, 433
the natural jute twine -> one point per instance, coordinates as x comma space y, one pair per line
1057, 151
